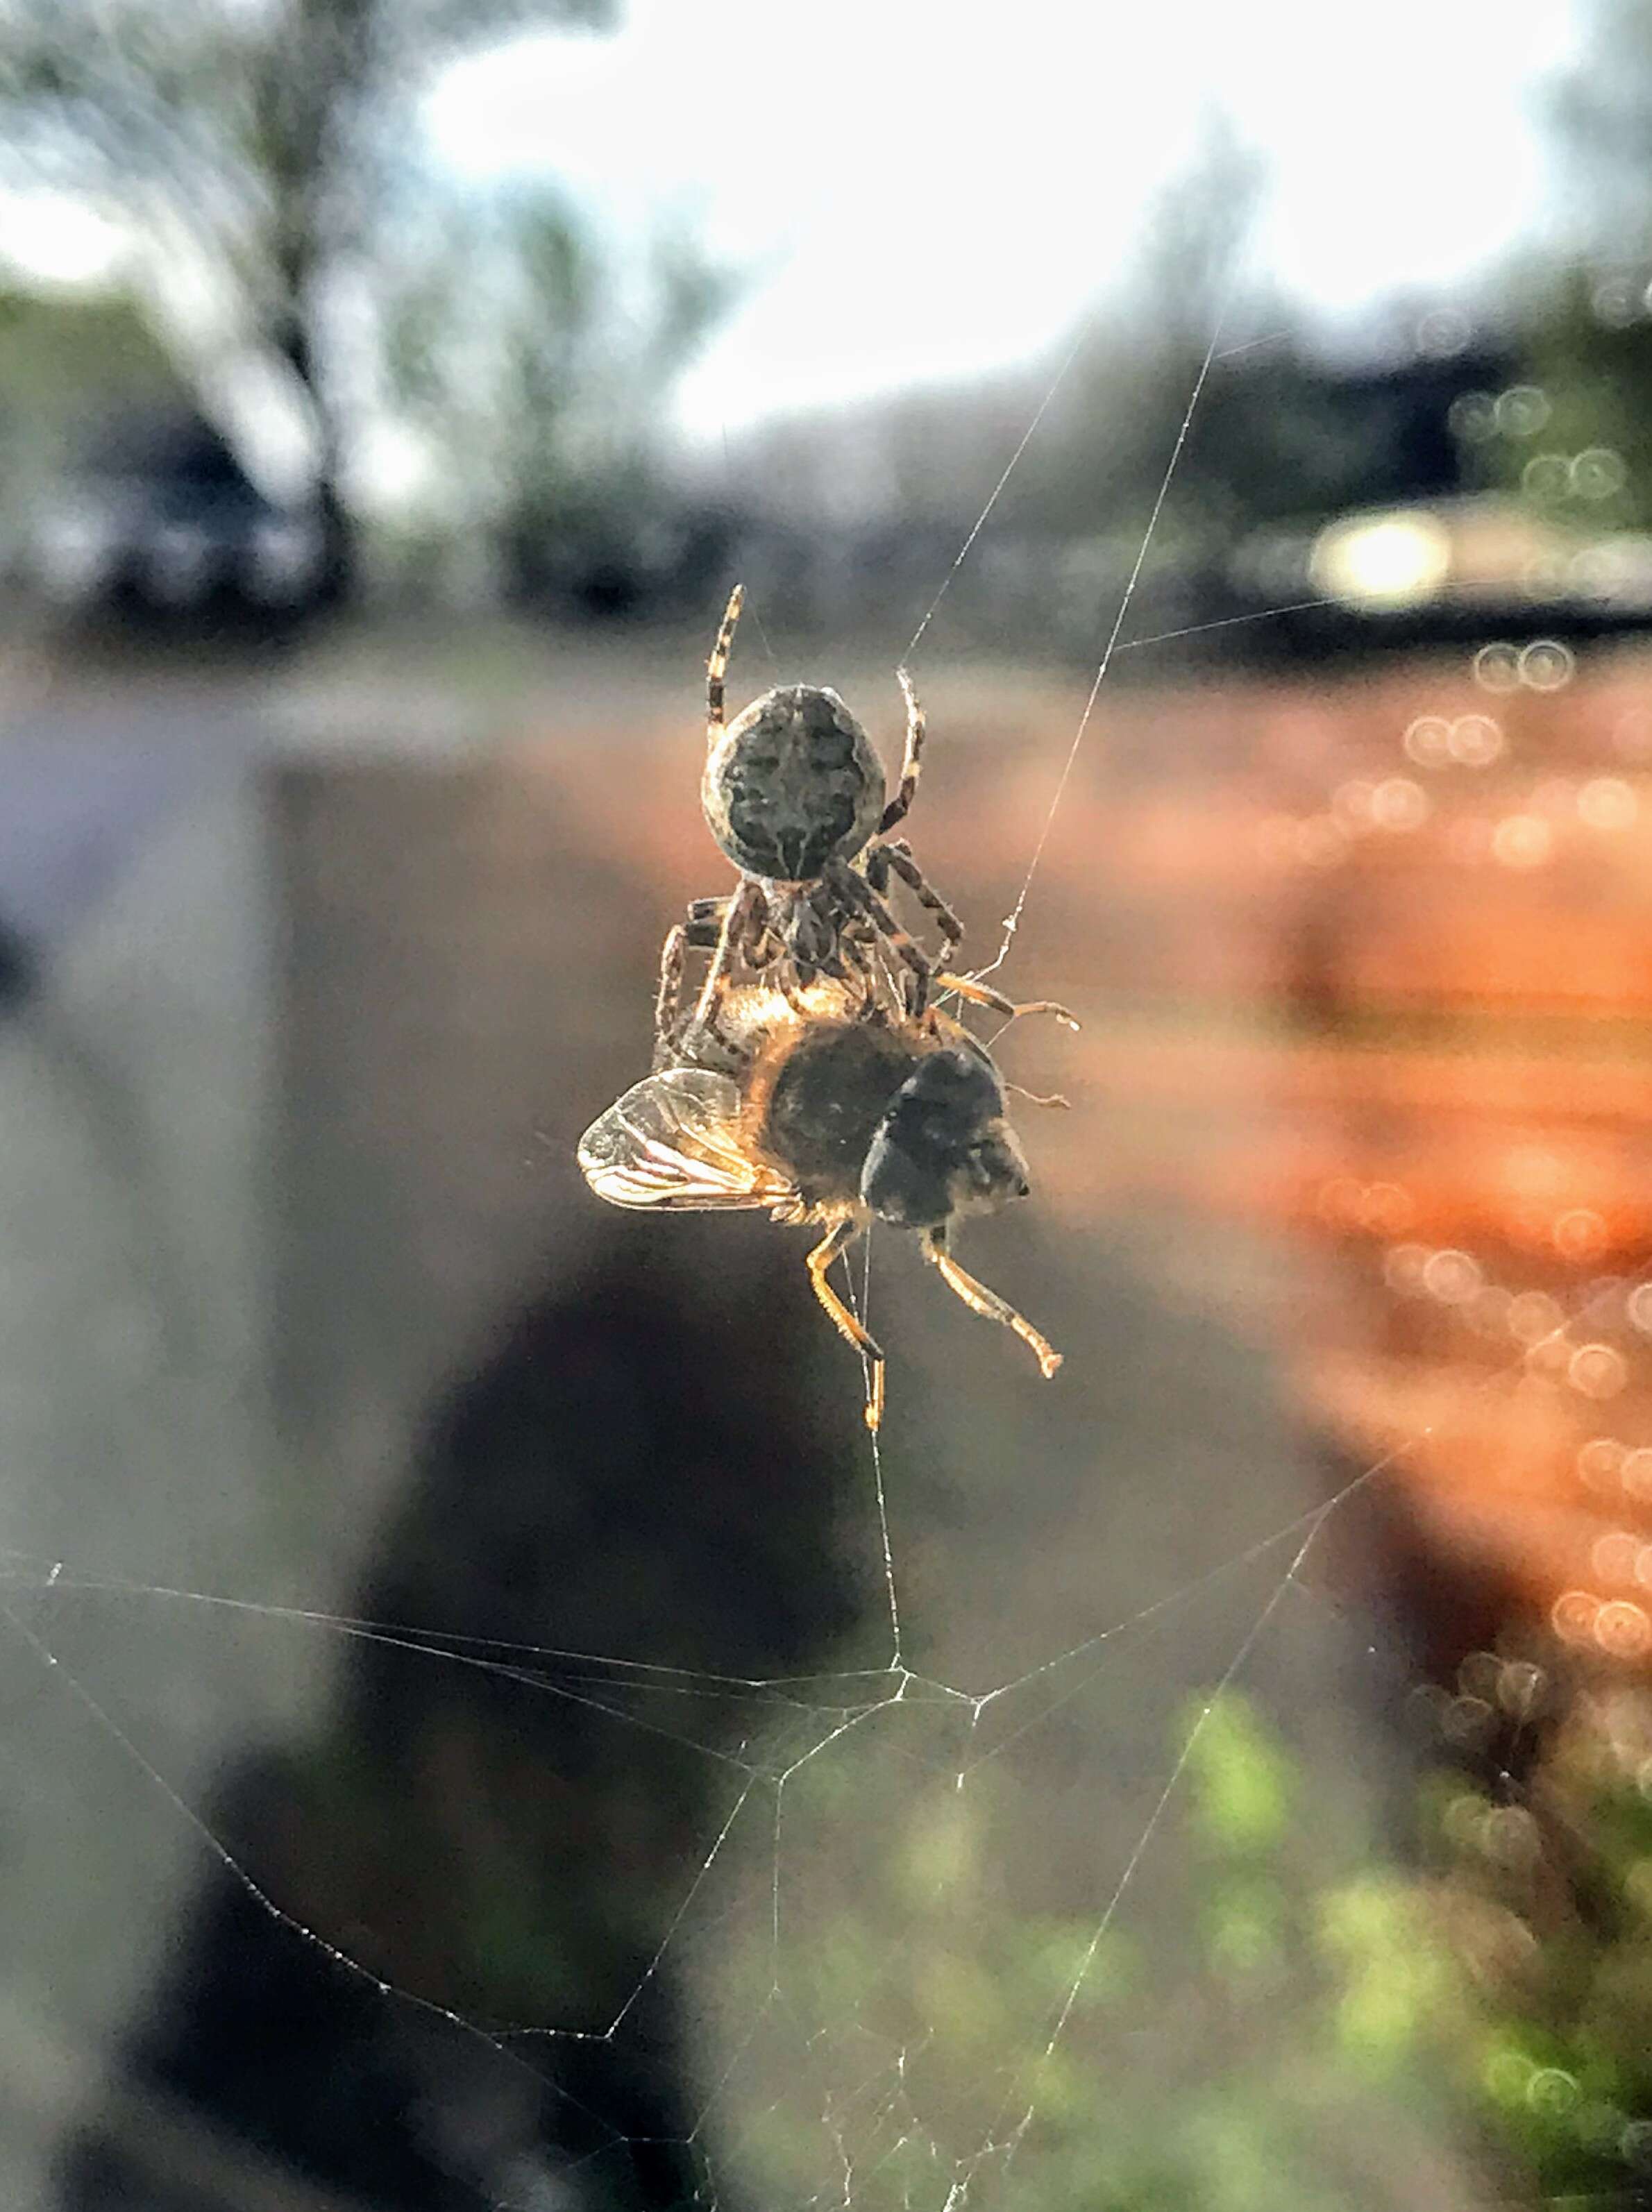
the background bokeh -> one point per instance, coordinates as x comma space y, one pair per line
478, 1725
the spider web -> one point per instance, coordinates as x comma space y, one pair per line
938, 1927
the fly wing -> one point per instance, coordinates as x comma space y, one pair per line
673, 1142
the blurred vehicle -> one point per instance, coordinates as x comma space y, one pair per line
161, 520
625, 555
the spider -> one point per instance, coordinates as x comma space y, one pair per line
795, 794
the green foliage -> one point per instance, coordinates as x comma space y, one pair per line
1570, 435
1241, 1785
1378, 2035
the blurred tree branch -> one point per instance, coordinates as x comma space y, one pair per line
536, 366
269, 134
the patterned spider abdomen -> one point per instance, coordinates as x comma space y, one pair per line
790, 783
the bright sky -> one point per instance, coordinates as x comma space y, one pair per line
923, 190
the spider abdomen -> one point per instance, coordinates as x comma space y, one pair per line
792, 783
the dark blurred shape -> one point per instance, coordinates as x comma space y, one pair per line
20, 971
162, 525
480, 1827
611, 565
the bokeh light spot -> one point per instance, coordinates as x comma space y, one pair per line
1522, 841
1546, 665
1622, 1629
1597, 1371
1475, 741
1398, 803
1453, 1277
1598, 473
1607, 802
1522, 410
1546, 477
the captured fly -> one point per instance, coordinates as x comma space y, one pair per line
830, 1109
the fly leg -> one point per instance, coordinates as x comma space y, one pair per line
987, 1304
831, 1247
980, 994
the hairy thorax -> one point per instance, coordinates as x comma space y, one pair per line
820, 1097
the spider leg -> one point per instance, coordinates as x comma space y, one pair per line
982, 995
987, 1304
896, 809
896, 857
668, 1005
671, 1029
834, 1242
716, 666
698, 934
737, 934
855, 893
791, 980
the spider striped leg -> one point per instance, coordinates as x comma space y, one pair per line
668, 1005
855, 893
987, 1304
896, 809
716, 666
837, 1241
698, 933
738, 930
895, 858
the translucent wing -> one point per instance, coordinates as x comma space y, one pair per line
673, 1142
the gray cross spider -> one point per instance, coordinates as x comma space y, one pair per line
794, 793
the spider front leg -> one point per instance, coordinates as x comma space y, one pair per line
896, 809
895, 858
854, 894
987, 1304
716, 666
